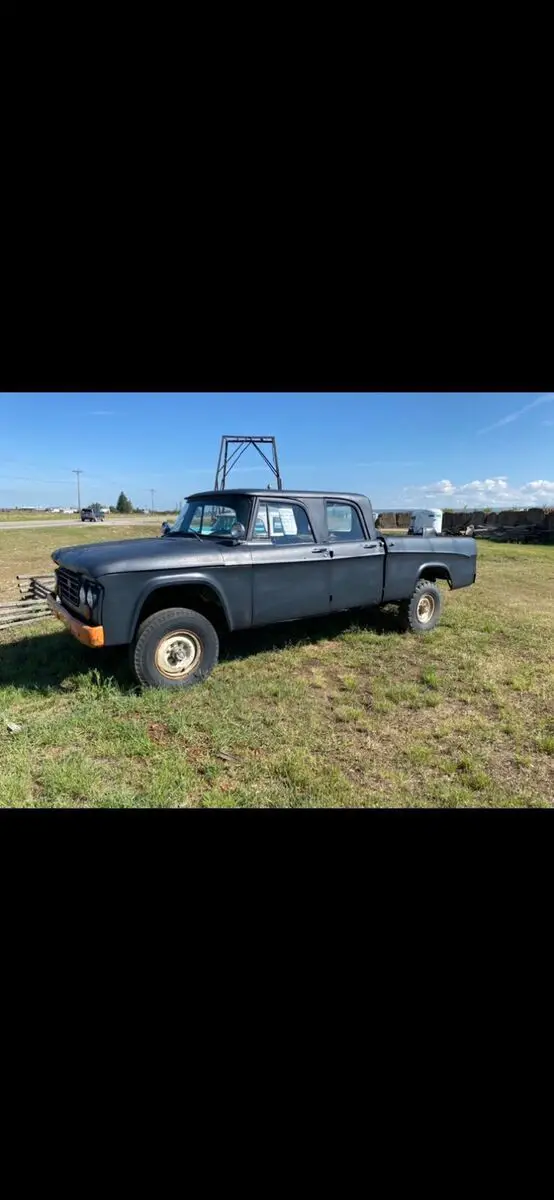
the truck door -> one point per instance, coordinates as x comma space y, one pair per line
357, 561
291, 572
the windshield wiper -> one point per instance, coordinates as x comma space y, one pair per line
184, 533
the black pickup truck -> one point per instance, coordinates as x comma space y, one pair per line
238, 559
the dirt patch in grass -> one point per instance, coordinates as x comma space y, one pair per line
159, 733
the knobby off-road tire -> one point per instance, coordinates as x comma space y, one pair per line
422, 611
174, 648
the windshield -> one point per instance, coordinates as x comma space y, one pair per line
211, 516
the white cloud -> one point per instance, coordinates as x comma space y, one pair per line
495, 491
546, 486
513, 416
443, 488
497, 485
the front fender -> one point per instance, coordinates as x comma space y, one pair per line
125, 594
192, 578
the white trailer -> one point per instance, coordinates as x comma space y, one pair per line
426, 522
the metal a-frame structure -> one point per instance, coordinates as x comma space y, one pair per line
228, 458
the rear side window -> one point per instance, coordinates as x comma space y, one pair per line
282, 523
343, 522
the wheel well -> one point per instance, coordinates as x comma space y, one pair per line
201, 598
435, 572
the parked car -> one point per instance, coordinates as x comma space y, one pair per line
89, 514
284, 557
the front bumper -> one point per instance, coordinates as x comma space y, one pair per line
89, 635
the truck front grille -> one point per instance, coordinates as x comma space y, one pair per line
68, 587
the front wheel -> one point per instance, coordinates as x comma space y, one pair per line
422, 611
175, 647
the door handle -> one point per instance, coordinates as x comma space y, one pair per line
371, 545
320, 550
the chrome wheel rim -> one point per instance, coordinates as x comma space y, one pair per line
178, 654
425, 609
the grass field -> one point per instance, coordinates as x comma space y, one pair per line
17, 517
340, 712
14, 515
28, 551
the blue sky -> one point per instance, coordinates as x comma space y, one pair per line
402, 449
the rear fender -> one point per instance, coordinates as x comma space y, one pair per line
434, 571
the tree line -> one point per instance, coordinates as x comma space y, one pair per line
124, 505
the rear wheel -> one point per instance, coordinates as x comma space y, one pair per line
176, 647
422, 611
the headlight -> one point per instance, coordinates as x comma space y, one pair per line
82, 595
90, 598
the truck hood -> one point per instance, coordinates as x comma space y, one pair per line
138, 554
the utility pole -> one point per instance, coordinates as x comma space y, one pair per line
152, 490
78, 474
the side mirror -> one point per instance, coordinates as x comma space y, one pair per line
238, 531
165, 528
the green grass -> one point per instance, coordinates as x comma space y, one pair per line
36, 516
7, 517
346, 712
28, 551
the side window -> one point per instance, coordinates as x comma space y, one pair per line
281, 522
196, 520
343, 522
